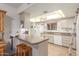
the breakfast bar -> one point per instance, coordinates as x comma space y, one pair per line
39, 45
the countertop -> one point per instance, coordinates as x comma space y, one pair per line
54, 32
32, 40
58, 31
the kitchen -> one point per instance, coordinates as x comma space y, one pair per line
58, 31
46, 29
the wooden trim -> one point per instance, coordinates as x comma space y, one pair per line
2, 13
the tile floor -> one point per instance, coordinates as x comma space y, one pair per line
55, 50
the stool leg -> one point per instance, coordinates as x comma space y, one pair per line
17, 51
24, 53
21, 52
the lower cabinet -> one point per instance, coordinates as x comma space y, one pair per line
51, 39
58, 39
66, 40
63, 40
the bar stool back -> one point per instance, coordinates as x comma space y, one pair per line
23, 50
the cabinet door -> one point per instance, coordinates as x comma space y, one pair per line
66, 40
2, 13
51, 39
58, 39
1, 24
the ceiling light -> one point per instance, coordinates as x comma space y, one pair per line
48, 16
55, 15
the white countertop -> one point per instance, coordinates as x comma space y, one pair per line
58, 31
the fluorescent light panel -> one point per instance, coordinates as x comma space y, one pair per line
53, 15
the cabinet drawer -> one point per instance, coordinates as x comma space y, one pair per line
66, 38
66, 41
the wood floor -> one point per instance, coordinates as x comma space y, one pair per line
55, 50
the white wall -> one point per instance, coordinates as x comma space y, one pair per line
12, 12
7, 28
10, 24
15, 25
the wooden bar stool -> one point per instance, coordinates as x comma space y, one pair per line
30, 51
2, 49
23, 50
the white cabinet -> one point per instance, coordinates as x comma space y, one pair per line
66, 40
40, 49
51, 39
58, 39
64, 24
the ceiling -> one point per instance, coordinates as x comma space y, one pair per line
38, 9
15, 5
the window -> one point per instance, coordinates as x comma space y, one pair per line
48, 27
52, 26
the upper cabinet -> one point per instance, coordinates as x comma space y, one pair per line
2, 14
65, 25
